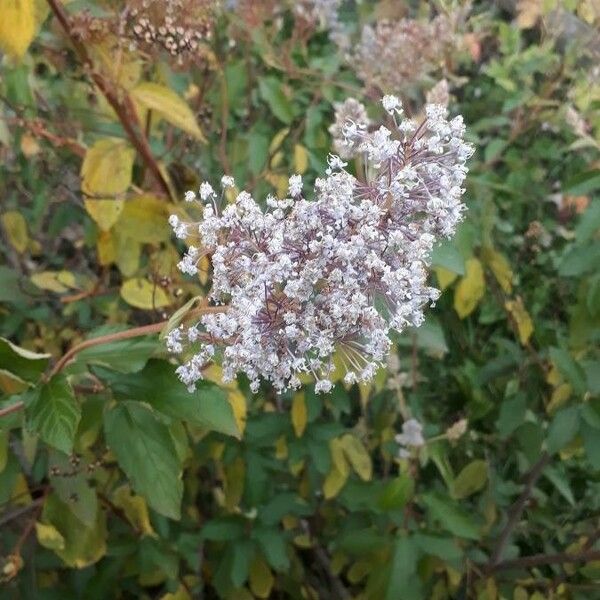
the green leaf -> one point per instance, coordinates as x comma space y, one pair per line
81, 545
444, 548
25, 364
404, 582
512, 414
583, 183
591, 443
224, 529
272, 92
272, 543
569, 369
470, 480
54, 413
169, 106
144, 294
146, 453
158, 385
446, 255
396, 493
563, 429
580, 259
450, 516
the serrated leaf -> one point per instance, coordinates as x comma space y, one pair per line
144, 294
299, 414
54, 413
470, 480
169, 106
470, 289
158, 385
25, 364
105, 176
146, 453
15, 227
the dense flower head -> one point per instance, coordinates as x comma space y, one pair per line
304, 282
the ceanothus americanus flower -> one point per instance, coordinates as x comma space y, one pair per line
303, 280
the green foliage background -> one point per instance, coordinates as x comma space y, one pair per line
115, 482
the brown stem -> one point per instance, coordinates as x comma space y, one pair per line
107, 339
517, 509
117, 98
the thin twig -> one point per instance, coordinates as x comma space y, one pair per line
119, 100
517, 509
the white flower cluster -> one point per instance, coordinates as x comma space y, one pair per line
304, 280
411, 437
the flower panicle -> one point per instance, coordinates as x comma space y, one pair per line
311, 284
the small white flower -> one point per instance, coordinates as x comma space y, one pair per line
392, 104
295, 185
227, 181
206, 191
190, 196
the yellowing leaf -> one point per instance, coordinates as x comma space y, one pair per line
135, 509
144, 294
559, 396
333, 483
445, 277
278, 140
54, 281
522, 319
15, 227
470, 289
105, 248
499, 267
17, 26
124, 68
3, 449
261, 578
180, 594
169, 106
145, 220
300, 159
105, 177
49, 537
357, 456
238, 404
234, 482
299, 413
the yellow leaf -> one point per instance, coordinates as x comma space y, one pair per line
16, 230
54, 281
17, 26
357, 456
522, 319
333, 483
300, 159
281, 448
145, 220
49, 537
135, 509
336, 448
445, 277
499, 267
128, 253
124, 68
261, 578
238, 404
105, 177
470, 289
11, 384
20, 494
169, 106
299, 414
143, 294
105, 248
278, 140
559, 396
